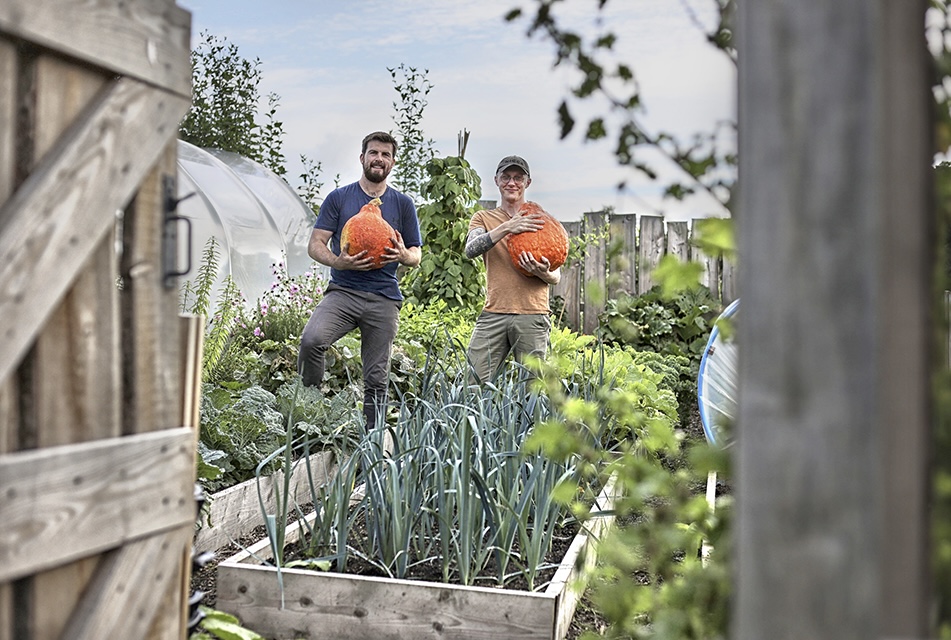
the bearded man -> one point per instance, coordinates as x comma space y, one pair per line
361, 294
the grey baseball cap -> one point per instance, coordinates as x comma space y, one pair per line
513, 161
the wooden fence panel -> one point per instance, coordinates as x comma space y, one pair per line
623, 247
73, 361
594, 281
678, 240
8, 388
834, 421
569, 288
90, 97
623, 259
710, 277
728, 289
145, 39
653, 244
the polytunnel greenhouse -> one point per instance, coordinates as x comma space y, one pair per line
255, 217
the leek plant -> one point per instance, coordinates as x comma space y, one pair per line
449, 481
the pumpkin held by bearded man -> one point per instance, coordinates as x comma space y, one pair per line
368, 231
550, 242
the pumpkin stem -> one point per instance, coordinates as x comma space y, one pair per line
376, 201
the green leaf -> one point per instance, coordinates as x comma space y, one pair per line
715, 237
226, 627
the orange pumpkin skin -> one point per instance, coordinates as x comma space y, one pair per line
551, 241
368, 231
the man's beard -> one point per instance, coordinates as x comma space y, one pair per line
374, 177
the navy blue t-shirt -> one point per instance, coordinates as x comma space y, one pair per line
398, 209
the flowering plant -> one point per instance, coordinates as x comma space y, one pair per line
282, 312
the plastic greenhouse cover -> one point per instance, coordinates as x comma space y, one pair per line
255, 217
716, 382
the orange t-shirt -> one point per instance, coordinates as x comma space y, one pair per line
507, 290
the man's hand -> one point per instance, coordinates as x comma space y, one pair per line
359, 262
538, 268
395, 253
399, 252
525, 222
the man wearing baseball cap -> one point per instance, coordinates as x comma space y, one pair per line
515, 318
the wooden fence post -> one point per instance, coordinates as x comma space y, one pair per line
595, 272
650, 249
836, 246
569, 288
623, 251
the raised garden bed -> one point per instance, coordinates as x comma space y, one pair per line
236, 511
316, 604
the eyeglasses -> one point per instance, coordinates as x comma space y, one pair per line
517, 179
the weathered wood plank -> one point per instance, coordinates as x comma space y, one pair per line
76, 357
237, 510
145, 39
65, 208
569, 582
595, 267
907, 299
55, 593
8, 94
9, 410
651, 247
622, 244
72, 501
69, 365
357, 607
129, 588
6, 611
835, 274
678, 240
569, 287
729, 291
710, 276
192, 341
151, 335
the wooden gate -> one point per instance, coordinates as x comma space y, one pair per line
96, 450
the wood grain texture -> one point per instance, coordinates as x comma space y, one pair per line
652, 247
145, 39
69, 374
623, 245
63, 211
678, 240
835, 274
234, 512
129, 588
354, 607
76, 356
72, 501
595, 278
9, 392
569, 287
569, 582
344, 606
151, 334
8, 95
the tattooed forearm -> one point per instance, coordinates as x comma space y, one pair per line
477, 243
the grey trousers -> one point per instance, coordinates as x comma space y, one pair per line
497, 334
340, 311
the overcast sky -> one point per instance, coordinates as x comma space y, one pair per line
328, 60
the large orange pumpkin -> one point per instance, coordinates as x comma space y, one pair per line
368, 231
551, 241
